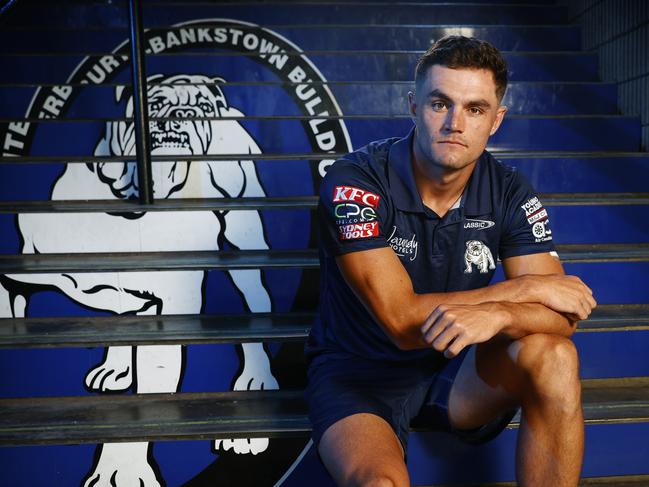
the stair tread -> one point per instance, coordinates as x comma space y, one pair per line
247, 259
149, 417
499, 154
290, 202
177, 329
193, 329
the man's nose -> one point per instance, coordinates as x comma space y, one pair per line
454, 120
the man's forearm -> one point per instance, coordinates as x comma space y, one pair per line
407, 320
522, 319
518, 290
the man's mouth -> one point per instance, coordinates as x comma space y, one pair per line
452, 142
169, 139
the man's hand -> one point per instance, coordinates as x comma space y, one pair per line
452, 327
564, 294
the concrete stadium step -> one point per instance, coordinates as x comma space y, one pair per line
272, 203
549, 172
623, 216
611, 342
163, 329
334, 66
318, 37
582, 172
613, 282
115, 15
195, 329
606, 353
601, 224
254, 259
357, 99
518, 132
159, 417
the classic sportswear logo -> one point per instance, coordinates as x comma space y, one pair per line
478, 224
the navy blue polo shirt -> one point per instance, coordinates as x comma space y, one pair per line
369, 200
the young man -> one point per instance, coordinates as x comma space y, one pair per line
410, 232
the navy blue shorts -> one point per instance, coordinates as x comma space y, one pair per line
411, 394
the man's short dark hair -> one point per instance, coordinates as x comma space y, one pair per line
465, 52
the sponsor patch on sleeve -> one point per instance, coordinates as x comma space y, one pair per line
537, 217
354, 231
357, 195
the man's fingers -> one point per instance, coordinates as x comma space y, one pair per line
442, 341
436, 329
430, 321
592, 302
455, 348
572, 317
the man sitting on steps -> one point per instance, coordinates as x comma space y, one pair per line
411, 332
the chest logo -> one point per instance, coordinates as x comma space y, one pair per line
478, 254
478, 224
403, 247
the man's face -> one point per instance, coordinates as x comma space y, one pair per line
455, 111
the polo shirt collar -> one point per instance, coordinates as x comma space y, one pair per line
402, 181
476, 198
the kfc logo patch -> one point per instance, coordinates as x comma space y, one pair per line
358, 230
350, 193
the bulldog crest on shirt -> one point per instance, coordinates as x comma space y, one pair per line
478, 254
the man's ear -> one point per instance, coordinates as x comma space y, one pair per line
500, 115
412, 105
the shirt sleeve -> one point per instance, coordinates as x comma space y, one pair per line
352, 210
527, 223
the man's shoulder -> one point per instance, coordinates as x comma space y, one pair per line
503, 175
370, 160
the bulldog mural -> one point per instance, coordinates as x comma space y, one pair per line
191, 116
158, 368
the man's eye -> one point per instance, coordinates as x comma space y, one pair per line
438, 106
475, 110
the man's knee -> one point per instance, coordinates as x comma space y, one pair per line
363, 450
374, 474
550, 366
377, 479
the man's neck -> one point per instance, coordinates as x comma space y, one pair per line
439, 187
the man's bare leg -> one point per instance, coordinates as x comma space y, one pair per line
363, 450
541, 373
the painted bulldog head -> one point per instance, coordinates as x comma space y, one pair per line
181, 102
